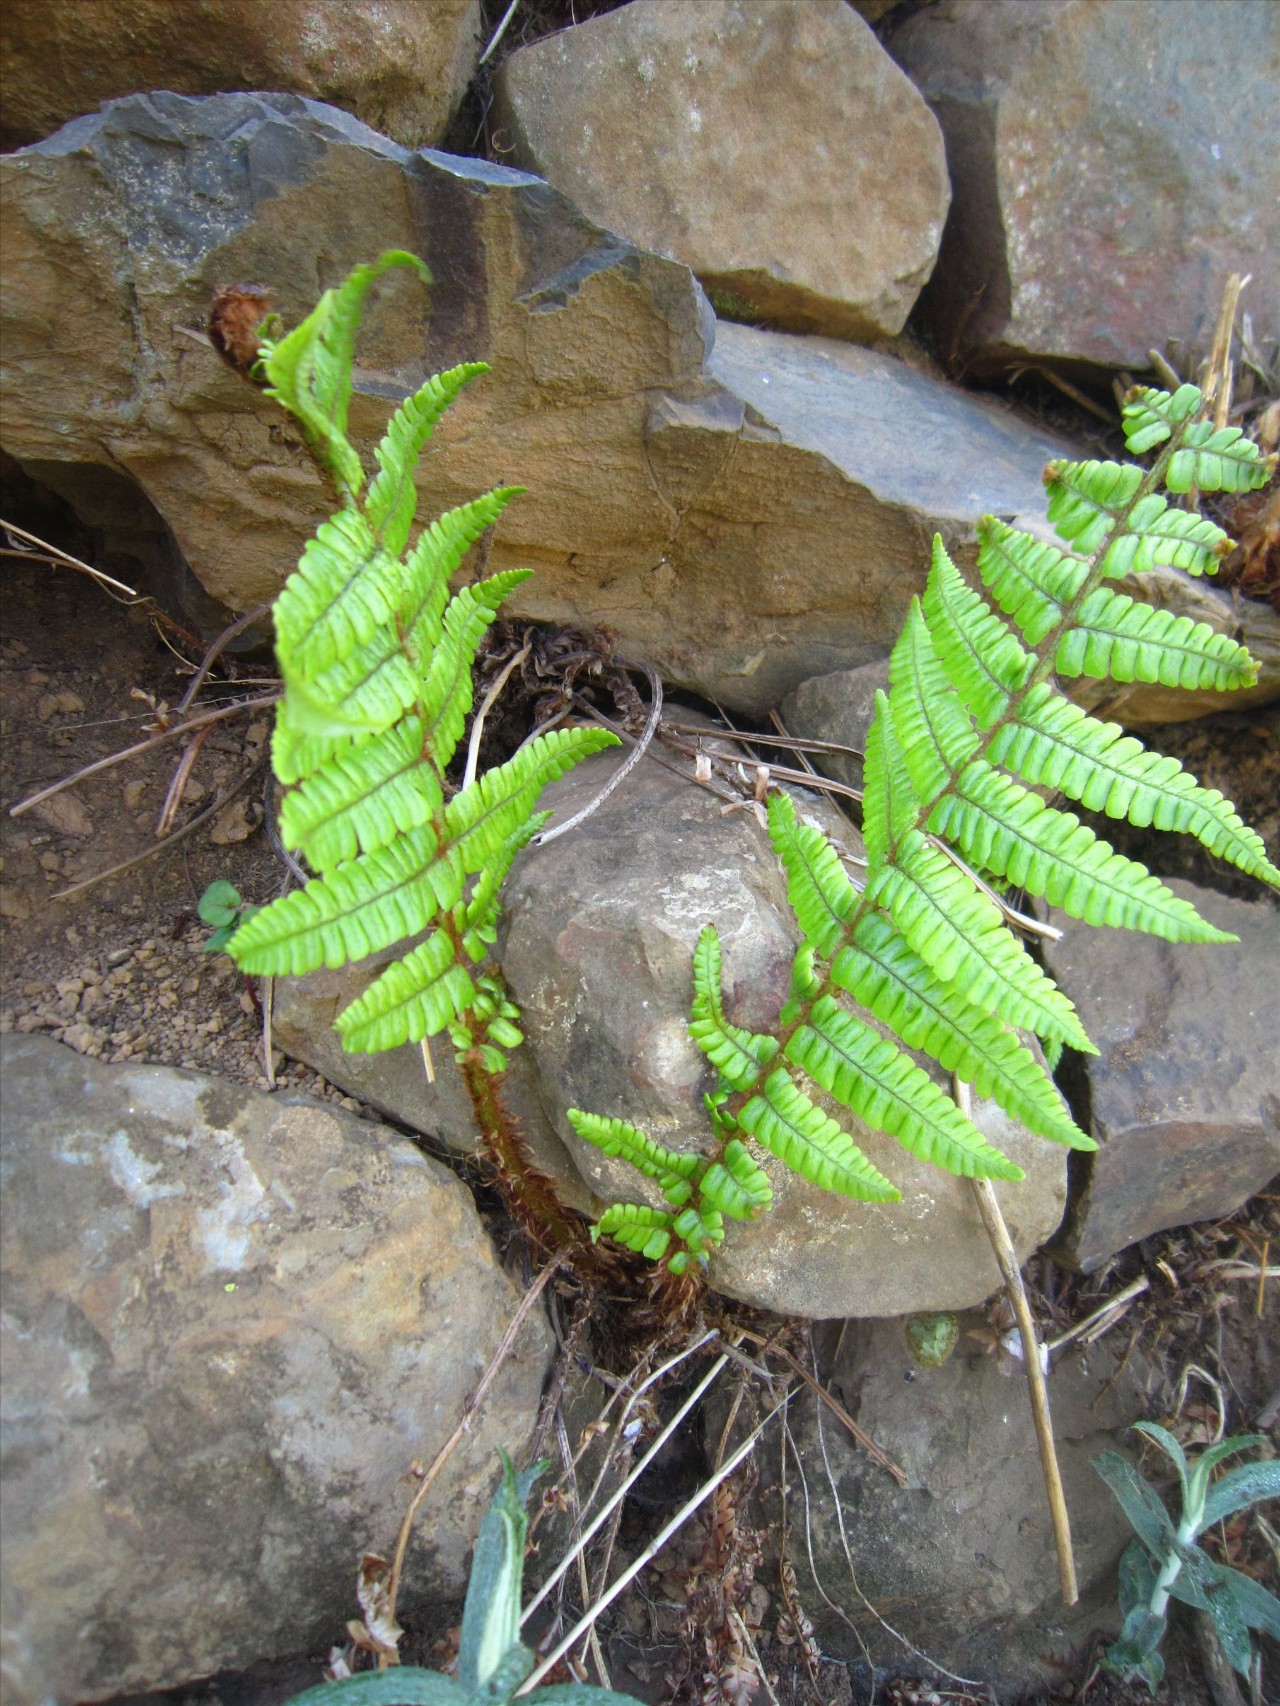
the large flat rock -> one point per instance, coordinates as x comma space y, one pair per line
232, 1321
743, 523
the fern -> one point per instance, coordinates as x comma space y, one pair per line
376, 657
973, 722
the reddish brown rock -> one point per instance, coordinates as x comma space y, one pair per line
1110, 166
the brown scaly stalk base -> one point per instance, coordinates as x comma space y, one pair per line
651, 1295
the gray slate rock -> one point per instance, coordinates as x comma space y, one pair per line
232, 1321
743, 525
961, 1561
597, 946
1184, 1096
778, 151
1103, 187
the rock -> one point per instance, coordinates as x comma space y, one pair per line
777, 150
232, 1322
961, 1561
1184, 1096
743, 524
399, 65
837, 707
1103, 189
395, 1082
597, 950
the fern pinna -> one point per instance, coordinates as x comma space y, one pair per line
974, 722
376, 657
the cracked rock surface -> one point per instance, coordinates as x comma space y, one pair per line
232, 1322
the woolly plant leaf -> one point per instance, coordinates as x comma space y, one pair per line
784, 1120
819, 890
1128, 641
961, 936
1005, 829
984, 661
889, 979
392, 499
890, 1092
636, 1227
671, 1172
738, 1055
416, 997
1053, 743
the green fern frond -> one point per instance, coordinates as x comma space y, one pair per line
1086, 499
1171, 538
820, 892
1218, 459
783, 1119
984, 661
672, 1173
738, 1055
934, 730
881, 972
735, 1186
419, 996
309, 370
479, 820
961, 936
357, 909
344, 589
1114, 636
1005, 829
479, 924
433, 562
446, 692
362, 799
889, 800
886, 1088
392, 499
636, 1227
1032, 582
699, 1228
1055, 744
1150, 416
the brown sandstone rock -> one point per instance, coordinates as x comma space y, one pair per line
776, 150
400, 65
232, 1321
1110, 164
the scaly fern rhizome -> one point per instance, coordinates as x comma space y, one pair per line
376, 659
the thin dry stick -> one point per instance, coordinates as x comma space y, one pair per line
169, 840
498, 33
428, 1065
1007, 1260
69, 562
571, 1476
477, 725
620, 1493
178, 784
837, 1409
268, 1014
173, 732
450, 1445
621, 773
1102, 1319
648, 1555
223, 640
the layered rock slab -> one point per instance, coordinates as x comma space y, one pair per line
596, 947
743, 521
232, 1321
1184, 1093
1103, 188
777, 150
399, 65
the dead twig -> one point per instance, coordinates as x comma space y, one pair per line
215, 651
622, 772
1007, 1261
